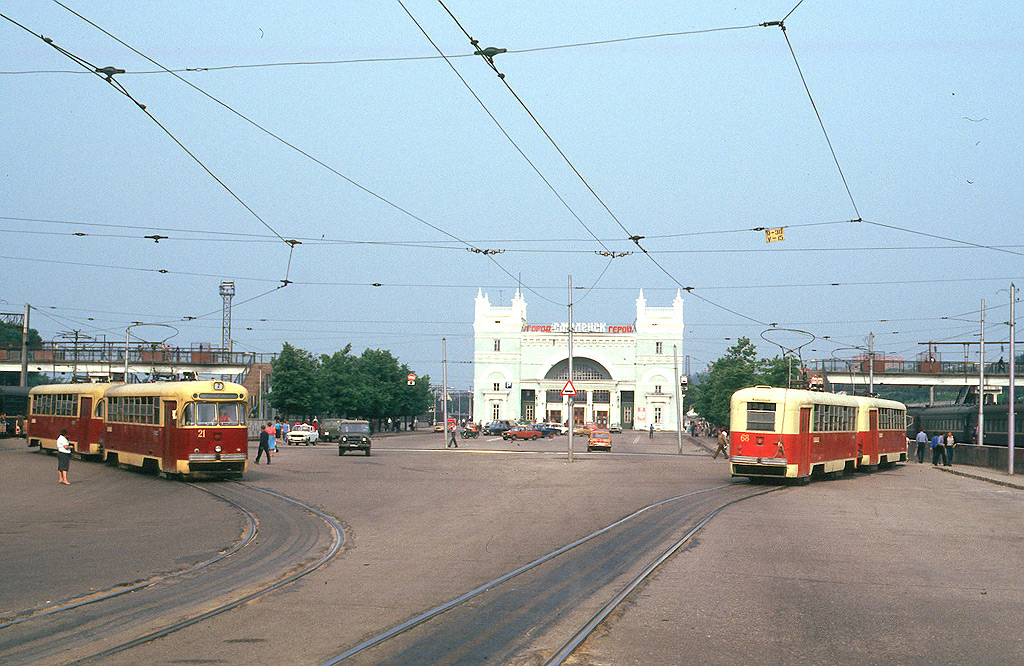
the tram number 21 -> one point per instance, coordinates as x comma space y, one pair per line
202, 432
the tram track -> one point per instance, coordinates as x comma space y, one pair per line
502, 620
114, 621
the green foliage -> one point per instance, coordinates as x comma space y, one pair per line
372, 385
10, 337
738, 368
294, 383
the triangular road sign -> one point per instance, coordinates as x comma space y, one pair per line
569, 389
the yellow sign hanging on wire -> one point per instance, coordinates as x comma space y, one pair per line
772, 235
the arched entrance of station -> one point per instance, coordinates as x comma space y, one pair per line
595, 402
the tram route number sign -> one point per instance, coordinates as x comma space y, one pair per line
773, 235
569, 389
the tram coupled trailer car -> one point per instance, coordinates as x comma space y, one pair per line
791, 433
77, 408
881, 433
179, 429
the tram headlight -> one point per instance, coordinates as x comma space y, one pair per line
217, 449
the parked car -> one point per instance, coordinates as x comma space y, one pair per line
584, 429
522, 432
302, 434
615, 427
354, 436
546, 429
560, 427
497, 427
600, 439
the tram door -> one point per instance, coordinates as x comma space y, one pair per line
167, 439
803, 456
84, 420
873, 441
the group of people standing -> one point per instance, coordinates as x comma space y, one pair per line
941, 445
268, 442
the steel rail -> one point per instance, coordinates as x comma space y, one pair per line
337, 544
117, 591
434, 612
588, 628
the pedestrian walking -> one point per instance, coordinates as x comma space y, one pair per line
922, 442
651, 435
264, 444
63, 457
950, 445
938, 450
723, 444
271, 439
452, 443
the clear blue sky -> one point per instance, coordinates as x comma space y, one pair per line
690, 140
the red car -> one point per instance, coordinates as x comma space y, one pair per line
522, 432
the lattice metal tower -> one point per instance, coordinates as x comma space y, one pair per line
227, 291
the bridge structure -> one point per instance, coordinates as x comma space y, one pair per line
105, 361
840, 372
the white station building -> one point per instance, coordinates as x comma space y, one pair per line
623, 373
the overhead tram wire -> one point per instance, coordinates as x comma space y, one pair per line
352, 61
485, 252
503, 131
108, 74
635, 238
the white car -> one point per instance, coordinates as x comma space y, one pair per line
303, 434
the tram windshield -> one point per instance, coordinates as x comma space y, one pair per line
214, 413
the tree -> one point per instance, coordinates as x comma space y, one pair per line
294, 383
739, 368
339, 382
10, 338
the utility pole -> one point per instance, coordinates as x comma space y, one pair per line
23, 380
571, 400
981, 379
871, 364
444, 386
1011, 420
679, 400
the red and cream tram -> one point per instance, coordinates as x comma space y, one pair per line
74, 407
795, 433
791, 433
881, 432
178, 428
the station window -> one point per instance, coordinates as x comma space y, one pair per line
658, 348
497, 345
761, 416
496, 411
602, 397
657, 414
657, 388
497, 386
553, 395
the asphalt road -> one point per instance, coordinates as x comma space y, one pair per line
906, 566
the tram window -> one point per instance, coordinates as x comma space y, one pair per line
99, 410
231, 413
213, 413
761, 416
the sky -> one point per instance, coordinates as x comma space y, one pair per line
886, 139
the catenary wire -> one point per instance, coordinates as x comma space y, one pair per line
381, 198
